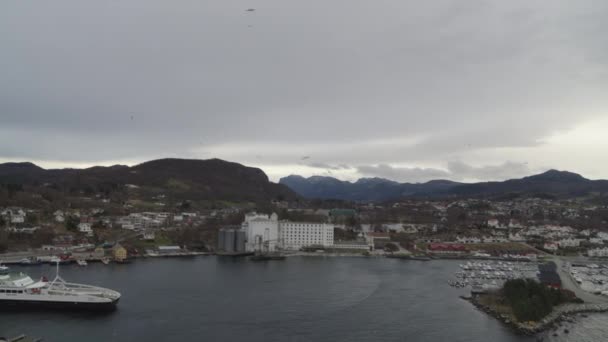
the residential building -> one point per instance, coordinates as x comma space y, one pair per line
598, 252
17, 218
149, 236
515, 237
468, 239
569, 242
85, 227
551, 246
169, 249
24, 230
119, 253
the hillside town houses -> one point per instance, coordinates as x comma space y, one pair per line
555, 226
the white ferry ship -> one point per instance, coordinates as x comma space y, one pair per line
19, 291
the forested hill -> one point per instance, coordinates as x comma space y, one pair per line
212, 179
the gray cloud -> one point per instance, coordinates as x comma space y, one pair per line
320, 165
420, 83
456, 170
403, 174
507, 170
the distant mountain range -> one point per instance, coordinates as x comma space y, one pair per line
215, 179
212, 179
551, 183
365, 189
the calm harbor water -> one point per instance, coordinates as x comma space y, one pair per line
300, 299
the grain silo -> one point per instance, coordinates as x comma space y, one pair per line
229, 241
221, 238
241, 236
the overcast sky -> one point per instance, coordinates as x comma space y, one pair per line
407, 90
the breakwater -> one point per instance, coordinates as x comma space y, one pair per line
559, 314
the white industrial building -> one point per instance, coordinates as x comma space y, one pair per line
267, 233
262, 232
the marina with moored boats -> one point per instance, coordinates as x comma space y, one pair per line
486, 275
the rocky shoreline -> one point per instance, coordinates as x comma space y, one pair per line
558, 315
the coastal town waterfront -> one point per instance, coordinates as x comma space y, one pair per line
301, 299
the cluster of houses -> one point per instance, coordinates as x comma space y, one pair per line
545, 223
13, 215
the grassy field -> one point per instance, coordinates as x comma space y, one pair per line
495, 302
498, 247
503, 247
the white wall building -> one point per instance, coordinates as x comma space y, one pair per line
569, 242
85, 227
265, 232
516, 237
262, 232
550, 246
598, 252
17, 218
468, 239
295, 235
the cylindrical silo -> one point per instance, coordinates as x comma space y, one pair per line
221, 238
229, 241
240, 241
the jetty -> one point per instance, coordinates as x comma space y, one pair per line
559, 314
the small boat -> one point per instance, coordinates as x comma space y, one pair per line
81, 262
31, 261
105, 261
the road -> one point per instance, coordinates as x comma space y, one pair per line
569, 284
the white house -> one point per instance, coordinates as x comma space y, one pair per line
515, 237
149, 236
596, 241
59, 216
410, 229
395, 227
494, 239
85, 227
550, 246
468, 239
598, 252
30, 230
585, 232
493, 223
602, 235
514, 224
18, 216
569, 242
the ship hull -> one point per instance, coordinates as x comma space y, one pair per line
24, 305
